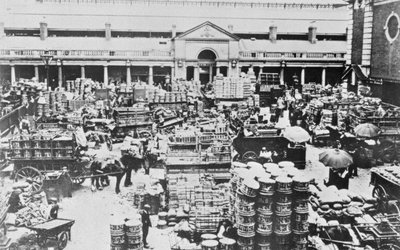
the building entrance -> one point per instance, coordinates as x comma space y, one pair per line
206, 63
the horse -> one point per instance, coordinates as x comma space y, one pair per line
100, 173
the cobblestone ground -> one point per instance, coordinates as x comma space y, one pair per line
91, 210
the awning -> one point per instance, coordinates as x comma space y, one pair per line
357, 70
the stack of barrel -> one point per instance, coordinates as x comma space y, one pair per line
126, 235
265, 201
134, 234
300, 220
117, 231
283, 212
245, 210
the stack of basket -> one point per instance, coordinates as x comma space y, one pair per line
134, 234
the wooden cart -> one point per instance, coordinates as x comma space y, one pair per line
385, 189
56, 229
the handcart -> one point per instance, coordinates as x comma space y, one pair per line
370, 234
386, 188
56, 229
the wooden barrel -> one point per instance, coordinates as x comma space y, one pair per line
162, 224
300, 240
282, 241
300, 223
267, 186
246, 230
119, 247
283, 198
262, 239
301, 184
134, 240
209, 245
205, 237
117, 226
227, 244
283, 208
117, 240
284, 184
245, 219
282, 224
134, 247
264, 224
162, 215
133, 228
246, 208
300, 205
249, 187
245, 242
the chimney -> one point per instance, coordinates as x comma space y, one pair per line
2, 33
273, 33
108, 31
230, 28
173, 30
312, 34
43, 31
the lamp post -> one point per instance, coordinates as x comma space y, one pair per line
46, 58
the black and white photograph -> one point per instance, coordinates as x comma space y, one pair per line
200, 124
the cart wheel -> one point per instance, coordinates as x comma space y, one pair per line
249, 155
62, 240
30, 172
42, 240
380, 193
13, 246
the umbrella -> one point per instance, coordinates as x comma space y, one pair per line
335, 158
296, 134
367, 130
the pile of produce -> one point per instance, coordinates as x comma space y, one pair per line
32, 214
333, 204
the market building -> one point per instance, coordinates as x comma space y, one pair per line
149, 40
373, 46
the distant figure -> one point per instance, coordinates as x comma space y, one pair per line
146, 224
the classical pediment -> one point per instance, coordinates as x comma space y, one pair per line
207, 31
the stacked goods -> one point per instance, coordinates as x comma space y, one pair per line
160, 96
342, 205
39, 147
300, 220
265, 212
133, 234
283, 212
181, 188
231, 87
117, 232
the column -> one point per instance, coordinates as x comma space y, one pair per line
150, 75
37, 72
353, 77
210, 71
105, 75
60, 77
83, 75
128, 74
196, 73
172, 73
218, 70
282, 76
13, 80
323, 76
303, 76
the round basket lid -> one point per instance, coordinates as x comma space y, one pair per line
116, 220
301, 179
270, 165
133, 223
162, 222
209, 243
251, 183
267, 180
253, 164
238, 164
283, 179
286, 164
208, 236
227, 241
161, 214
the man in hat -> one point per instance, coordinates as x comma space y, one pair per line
265, 155
146, 223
